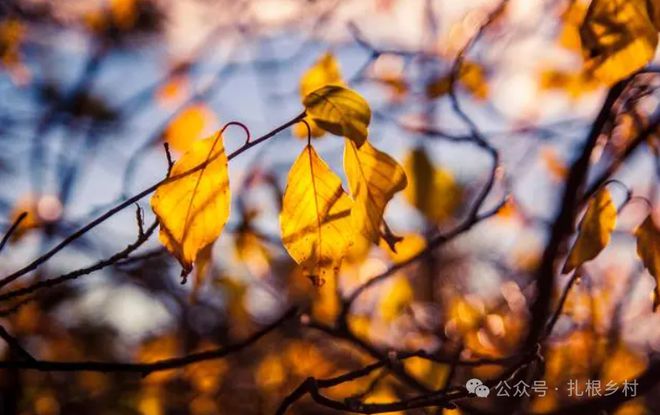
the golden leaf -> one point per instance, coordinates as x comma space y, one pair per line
340, 111
595, 230
397, 296
410, 245
555, 166
315, 218
572, 17
434, 192
28, 205
373, 179
249, 247
623, 363
187, 127
171, 91
618, 38
648, 245
124, 12
471, 76
193, 209
12, 33
432, 374
575, 84
325, 71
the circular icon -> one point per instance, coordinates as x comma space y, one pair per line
482, 391
471, 385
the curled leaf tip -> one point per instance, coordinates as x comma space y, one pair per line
184, 276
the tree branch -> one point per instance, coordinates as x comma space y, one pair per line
128, 202
146, 368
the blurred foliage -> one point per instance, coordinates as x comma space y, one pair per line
432, 251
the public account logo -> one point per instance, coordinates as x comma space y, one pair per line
477, 387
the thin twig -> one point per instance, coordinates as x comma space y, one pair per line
12, 229
146, 368
119, 207
15, 345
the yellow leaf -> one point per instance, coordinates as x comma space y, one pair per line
397, 296
471, 76
575, 84
124, 12
572, 17
623, 363
595, 230
28, 205
325, 71
193, 209
411, 244
315, 218
648, 245
187, 127
618, 38
172, 90
300, 129
271, 372
433, 375
12, 33
383, 393
251, 250
555, 166
373, 178
434, 192
340, 111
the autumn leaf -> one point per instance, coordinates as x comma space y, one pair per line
555, 166
325, 71
648, 245
173, 90
471, 76
409, 246
193, 208
397, 296
124, 12
373, 179
249, 247
188, 126
595, 230
12, 33
26, 205
575, 84
340, 111
433, 191
315, 218
618, 38
572, 18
